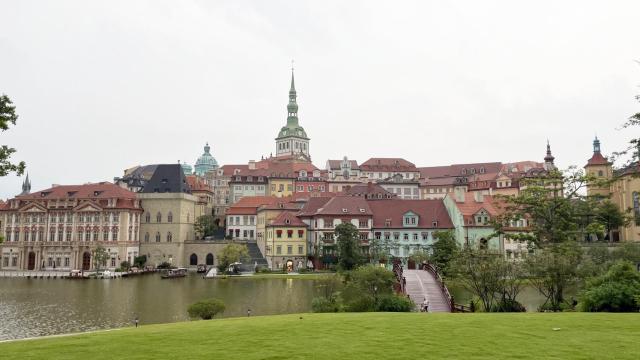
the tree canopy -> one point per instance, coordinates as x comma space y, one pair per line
8, 117
349, 255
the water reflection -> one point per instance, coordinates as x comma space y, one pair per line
37, 307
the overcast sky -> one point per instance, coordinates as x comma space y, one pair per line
104, 86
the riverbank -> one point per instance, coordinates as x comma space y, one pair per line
306, 276
356, 336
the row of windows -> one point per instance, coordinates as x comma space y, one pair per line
147, 217
246, 220
246, 234
289, 249
81, 235
405, 236
158, 237
310, 188
68, 217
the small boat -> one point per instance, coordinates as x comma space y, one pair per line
175, 273
76, 274
202, 269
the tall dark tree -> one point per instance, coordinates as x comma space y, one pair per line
8, 117
444, 250
349, 254
205, 226
608, 214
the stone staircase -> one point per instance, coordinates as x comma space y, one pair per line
255, 257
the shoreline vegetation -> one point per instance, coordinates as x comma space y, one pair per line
355, 336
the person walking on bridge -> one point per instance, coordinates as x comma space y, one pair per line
425, 305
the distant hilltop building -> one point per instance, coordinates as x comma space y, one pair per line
292, 140
206, 162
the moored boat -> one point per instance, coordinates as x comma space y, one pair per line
175, 273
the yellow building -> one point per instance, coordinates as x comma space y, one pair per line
624, 191
265, 214
286, 242
280, 187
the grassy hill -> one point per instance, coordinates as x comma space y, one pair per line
356, 336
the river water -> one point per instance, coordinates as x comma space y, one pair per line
37, 307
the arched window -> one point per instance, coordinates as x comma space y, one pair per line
169, 236
193, 259
170, 217
600, 173
146, 237
147, 217
158, 217
157, 237
209, 259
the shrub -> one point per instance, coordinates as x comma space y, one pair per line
395, 303
165, 265
125, 265
507, 305
614, 291
324, 305
264, 270
139, 261
206, 309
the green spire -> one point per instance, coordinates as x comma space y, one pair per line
292, 107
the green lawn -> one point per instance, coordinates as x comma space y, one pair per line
356, 336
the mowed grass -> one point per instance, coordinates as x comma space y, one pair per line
356, 336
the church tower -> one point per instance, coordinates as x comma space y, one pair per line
26, 186
548, 160
599, 167
292, 140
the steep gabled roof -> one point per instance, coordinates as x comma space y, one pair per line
168, 178
391, 213
388, 165
287, 218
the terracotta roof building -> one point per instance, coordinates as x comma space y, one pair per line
59, 227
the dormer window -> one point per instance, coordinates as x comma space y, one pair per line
287, 221
362, 210
345, 210
434, 224
387, 223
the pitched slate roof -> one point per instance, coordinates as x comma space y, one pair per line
428, 211
168, 178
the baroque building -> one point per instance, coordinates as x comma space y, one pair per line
206, 162
60, 227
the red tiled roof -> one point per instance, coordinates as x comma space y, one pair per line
228, 170
456, 169
388, 164
368, 189
336, 164
248, 205
197, 183
470, 206
312, 206
287, 218
345, 205
102, 190
597, 159
428, 211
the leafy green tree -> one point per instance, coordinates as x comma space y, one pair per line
381, 248
553, 270
125, 265
444, 250
349, 253
8, 117
608, 214
365, 286
205, 226
140, 261
614, 291
100, 257
206, 309
479, 273
232, 253
627, 251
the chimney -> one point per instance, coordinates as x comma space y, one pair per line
252, 164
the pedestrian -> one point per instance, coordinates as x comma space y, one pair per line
248, 312
136, 321
425, 305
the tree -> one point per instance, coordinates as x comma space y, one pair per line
553, 270
381, 248
365, 286
8, 117
614, 291
100, 257
139, 261
479, 273
232, 253
328, 287
444, 250
205, 226
125, 265
349, 255
206, 309
608, 214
